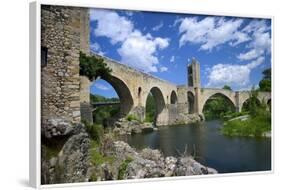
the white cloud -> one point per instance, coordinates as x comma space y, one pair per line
233, 75
111, 25
158, 27
101, 86
136, 49
261, 40
172, 60
252, 54
95, 47
163, 69
211, 32
139, 50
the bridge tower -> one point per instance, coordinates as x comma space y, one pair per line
193, 74
193, 81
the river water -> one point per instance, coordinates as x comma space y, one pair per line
210, 147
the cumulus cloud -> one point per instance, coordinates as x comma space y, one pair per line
261, 40
158, 27
211, 32
139, 50
231, 74
136, 49
163, 69
111, 25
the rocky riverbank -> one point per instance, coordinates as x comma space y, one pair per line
80, 159
125, 127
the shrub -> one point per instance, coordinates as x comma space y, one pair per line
94, 130
123, 167
132, 117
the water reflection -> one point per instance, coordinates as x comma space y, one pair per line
204, 140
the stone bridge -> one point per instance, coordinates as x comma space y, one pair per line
133, 87
66, 95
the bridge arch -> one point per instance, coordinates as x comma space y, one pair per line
123, 92
159, 101
173, 97
228, 98
245, 102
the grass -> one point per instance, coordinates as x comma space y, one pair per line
254, 126
123, 167
132, 117
51, 151
97, 158
94, 130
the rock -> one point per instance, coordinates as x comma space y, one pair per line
123, 127
56, 127
72, 162
151, 163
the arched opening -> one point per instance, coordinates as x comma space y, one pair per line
174, 98
111, 99
218, 106
250, 103
190, 100
154, 105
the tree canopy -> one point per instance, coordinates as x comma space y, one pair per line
93, 67
226, 87
265, 83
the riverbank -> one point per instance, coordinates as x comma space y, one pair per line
80, 158
250, 126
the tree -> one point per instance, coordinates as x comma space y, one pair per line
265, 83
93, 67
226, 87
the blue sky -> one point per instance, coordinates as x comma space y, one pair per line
231, 51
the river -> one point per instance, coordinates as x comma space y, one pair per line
210, 147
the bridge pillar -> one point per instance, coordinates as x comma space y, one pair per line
85, 105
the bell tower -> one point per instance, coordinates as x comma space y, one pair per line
193, 74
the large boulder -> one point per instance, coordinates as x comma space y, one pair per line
71, 163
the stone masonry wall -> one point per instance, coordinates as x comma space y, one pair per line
61, 35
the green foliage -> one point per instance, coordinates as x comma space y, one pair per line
150, 108
267, 74
92, 67
231, 115
252, 105
94, 130
123, 167
254, 126
103, 113
132, 117
226, 87
97, 158
258, 123
217, 107
265, 83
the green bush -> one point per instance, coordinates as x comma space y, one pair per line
132, 117
92, 67
94, 130
97, 158
123, 167
254, 126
